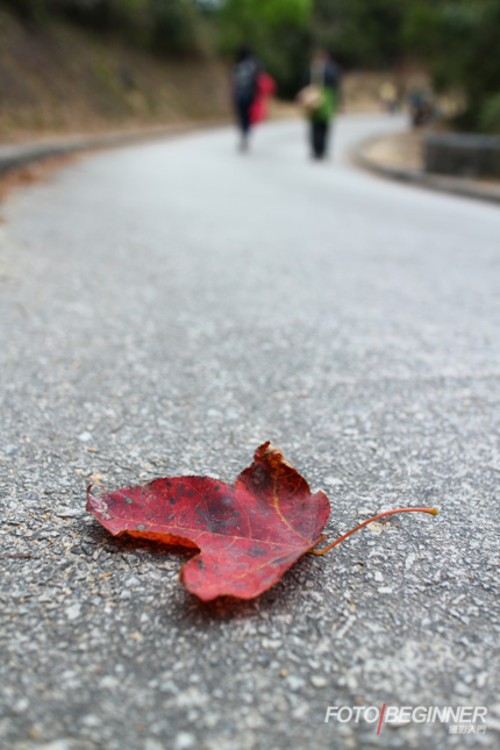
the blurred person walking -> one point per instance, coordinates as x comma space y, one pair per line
244, 84
320, 99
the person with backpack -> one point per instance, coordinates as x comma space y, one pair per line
244, 81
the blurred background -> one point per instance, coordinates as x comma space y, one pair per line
84, 65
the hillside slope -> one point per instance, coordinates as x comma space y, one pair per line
57, 78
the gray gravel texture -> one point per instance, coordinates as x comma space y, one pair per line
164, 310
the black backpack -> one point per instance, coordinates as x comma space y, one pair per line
245, 79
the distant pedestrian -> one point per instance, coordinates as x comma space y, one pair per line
320, 99
422, 110
244, 81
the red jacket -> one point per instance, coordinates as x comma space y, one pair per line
265, 89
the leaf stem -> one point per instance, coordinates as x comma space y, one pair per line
318, 552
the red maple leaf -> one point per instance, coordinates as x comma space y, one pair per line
248, 533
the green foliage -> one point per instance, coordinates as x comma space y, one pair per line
489, 114
459, 41
27, 10
174, 29
360, 33
167, 27
278, 32
269, 14
365, 33
278, 13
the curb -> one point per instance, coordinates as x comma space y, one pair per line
460, 186
16, 156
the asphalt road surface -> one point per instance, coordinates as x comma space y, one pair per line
167, 308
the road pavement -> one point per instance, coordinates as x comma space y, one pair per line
165, 309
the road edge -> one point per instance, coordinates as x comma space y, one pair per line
460, 186
18, 156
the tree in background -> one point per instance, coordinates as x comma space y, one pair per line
457, 40
175, 27
361, 33
277, 30
168, 27
460, 42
